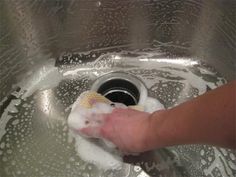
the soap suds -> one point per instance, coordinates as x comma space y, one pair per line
6, 116
96, 154
100, 152
44, 78
96, 151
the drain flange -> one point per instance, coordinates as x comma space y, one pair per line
121, 87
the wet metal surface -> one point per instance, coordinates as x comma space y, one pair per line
51, 51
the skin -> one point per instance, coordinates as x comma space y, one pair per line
207, 119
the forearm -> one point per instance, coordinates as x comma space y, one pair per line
207, 119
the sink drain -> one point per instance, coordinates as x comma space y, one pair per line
121, 88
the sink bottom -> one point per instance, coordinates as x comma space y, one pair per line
34, 138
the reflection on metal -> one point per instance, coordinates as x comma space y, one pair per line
143, 174
45, 102
184, 62
179, 61
181, 33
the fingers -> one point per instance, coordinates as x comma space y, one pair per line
102, 131
98, 117
126, 110
99, 132
95, 120
95, 126
91, 132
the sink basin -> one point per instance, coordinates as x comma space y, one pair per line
51, 51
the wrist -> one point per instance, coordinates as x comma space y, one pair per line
160, 132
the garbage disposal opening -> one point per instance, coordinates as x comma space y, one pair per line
121, 91
122, 88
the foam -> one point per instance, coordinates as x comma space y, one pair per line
152, 105
46, 77
6, 116
99, 152
95, 153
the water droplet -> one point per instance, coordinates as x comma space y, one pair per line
202, 152
137, 168
232, 156
15, 122
9, 151
209, 158
2, 145
203, 162
4, 159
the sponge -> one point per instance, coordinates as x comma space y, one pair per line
88, 98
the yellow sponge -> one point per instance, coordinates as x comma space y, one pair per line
87, 99
137, 107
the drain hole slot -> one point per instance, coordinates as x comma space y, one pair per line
120, 90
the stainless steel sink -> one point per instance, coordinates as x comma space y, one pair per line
51, 51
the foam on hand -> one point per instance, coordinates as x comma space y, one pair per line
85, 113
100, 152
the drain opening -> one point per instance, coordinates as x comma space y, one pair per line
120, 90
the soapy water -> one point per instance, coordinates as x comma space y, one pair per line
34, 135
100, 152
90, 150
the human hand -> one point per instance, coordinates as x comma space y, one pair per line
128, 129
